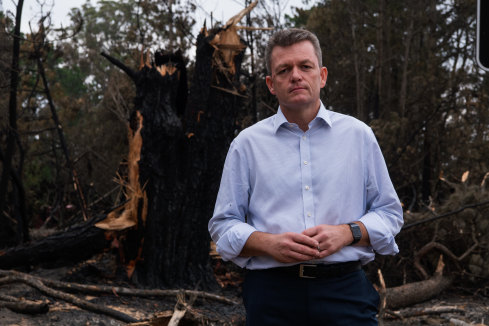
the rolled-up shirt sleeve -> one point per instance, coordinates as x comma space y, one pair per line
228, 227
384, 217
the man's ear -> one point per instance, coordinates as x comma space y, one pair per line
323, 76
269, 82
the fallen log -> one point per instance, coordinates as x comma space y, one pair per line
23, 306
117, 290
16, 277
457, 322
425, 311
75, 244
46, 286
416, 292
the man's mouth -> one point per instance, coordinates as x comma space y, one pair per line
294, 89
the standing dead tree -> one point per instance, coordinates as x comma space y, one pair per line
184, 141
10, 178
37, 54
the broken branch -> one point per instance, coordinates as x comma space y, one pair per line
22, 305
35, 282
436, 217
411, 293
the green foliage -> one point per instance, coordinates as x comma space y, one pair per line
38, 178
407, 69
71, 80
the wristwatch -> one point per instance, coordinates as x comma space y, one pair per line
356, 232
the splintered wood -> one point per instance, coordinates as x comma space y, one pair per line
228, 43
133, 192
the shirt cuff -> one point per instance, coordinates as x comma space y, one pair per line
381, 237
230, 244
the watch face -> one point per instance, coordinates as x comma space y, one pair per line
356, 232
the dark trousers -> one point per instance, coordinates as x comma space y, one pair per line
277, 299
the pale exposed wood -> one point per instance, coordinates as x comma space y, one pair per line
177, 315
228, 42
237, 18
383, 297
117, 220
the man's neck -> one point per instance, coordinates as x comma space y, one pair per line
301, 116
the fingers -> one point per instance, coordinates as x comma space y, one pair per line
304, 239
330, 238
317, 242
302, 246
294, 247
311, 232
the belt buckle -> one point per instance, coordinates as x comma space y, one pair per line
301, 270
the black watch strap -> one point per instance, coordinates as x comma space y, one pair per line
356, 232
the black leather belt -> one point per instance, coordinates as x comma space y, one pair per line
318, 270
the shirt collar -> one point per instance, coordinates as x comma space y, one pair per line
280, 118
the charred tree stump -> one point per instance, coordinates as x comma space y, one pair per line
184, 175
184, 144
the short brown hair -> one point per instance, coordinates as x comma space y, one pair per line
287, 37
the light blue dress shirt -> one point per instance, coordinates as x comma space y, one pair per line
277, 179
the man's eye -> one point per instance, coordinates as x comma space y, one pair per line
282, 71
306, 67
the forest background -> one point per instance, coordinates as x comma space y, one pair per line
407, 69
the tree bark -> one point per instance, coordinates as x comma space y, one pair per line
416, 292
182, 154
411, 293
23, 306
182, 180
22, 233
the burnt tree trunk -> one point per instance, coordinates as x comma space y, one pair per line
183, 171
184, 144
10, 179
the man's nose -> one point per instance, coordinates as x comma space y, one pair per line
296, 74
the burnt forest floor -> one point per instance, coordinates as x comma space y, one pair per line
453, 307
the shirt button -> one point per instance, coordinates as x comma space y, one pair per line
307, 187
309, 214
305, 162
304, 137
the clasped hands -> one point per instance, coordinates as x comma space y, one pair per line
290, 247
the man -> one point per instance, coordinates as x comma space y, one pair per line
305, 200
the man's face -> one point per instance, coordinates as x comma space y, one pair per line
296, 78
